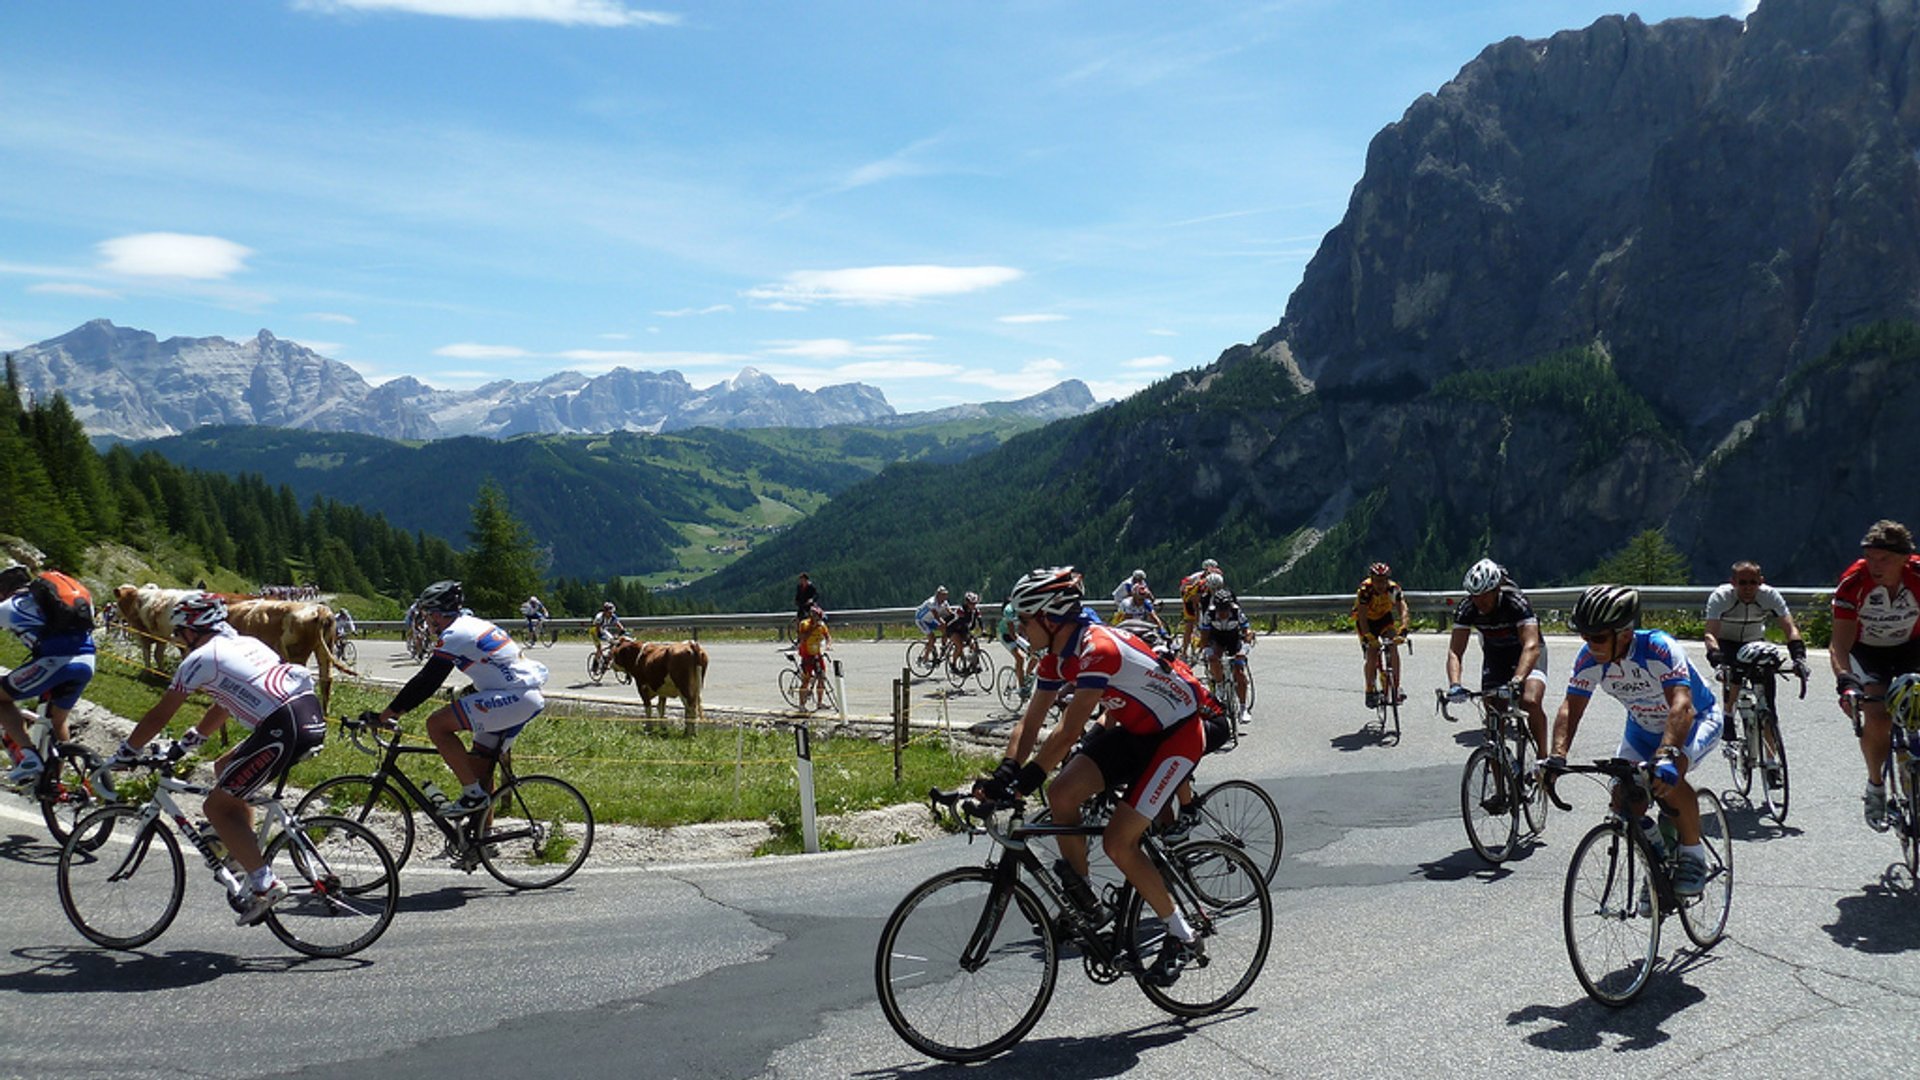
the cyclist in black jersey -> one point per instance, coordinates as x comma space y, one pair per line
1510, 643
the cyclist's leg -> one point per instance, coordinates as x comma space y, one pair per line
1076, 782
11, 718
1171, 763
1533, 696
262, 757
1875, 725
1372, 666
1702, 741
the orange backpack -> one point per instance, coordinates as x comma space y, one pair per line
65, 605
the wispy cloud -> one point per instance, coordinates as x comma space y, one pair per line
331, 317
324, 348
1037, 317
467, 350
603, 360
883, 284
174, 255
904, 337
841, 348
681, 313
1030, 378
69, 288
1149, 363
563, 12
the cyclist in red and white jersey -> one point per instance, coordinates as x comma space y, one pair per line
271, 698
1151, 741
1876, 637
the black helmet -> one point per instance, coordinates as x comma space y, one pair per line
443, 597
1604, 608
14, 578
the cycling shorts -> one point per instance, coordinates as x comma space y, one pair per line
1223, 643
1882, 664
59, 679
288, 734
929, 624
496, 716
1639, 744
1017, 646
813, 665
1497, 669
1375, 628
1150, 767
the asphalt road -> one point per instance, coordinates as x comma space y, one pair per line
1396, 952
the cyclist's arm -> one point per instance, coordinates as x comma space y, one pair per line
1530, 646
1020, 742
1679, 716
1400, 616
1711, 635
1840, 649
1566, 722
1073, 723
156, 718
1790, 628
1456, 653
420, 687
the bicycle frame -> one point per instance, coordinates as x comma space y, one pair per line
464, 834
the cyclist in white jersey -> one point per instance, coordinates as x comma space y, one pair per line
57, 670
1673, 719
931, 617
506, 693
1739, 611
269, 697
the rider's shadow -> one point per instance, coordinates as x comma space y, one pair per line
1586, 1024
1466, 863
1745, 821
1080, 1056
445, 898
104, 971
1371, 735
1880, 920
32, 850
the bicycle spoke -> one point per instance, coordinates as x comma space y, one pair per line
1612, 942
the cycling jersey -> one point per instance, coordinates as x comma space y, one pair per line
932, 614
244, 675
1192, 588
963, 620
1374, 607
1134, 607
606, 625
485, 654
20, 614
1885, 617
1640, 681
812, 638
533, 611
1137, 691
1742, 621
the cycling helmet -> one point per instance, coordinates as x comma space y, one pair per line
1604, 608
1215, 582
1483, 577
1379, 569
1903, 700
442, 598
1209, 564
940, 591
971, 598
1139, 575
1051, 591
200, 611
1761, 654
14, 578
1140, 589
1143, 630
608, 606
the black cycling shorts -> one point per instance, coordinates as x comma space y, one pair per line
288, 734
1884, 663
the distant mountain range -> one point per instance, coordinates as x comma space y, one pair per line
125, 383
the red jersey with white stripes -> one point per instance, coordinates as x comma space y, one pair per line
1886, 616
1137, 692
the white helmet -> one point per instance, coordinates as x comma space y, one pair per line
1215, 582
1483, 576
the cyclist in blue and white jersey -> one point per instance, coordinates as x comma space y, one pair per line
535, 613
58, 668
1510, 643
1673, 719
607, 628
506, 692
931, 617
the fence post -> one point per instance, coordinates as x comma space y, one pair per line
802, 746
899, 723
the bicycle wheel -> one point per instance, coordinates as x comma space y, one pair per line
790, 687
596, 668
346, 653
1773, 769
1903, 808
67, 794
1008, 688
922, 663
540, 831
621, 675
1612, 945
1705, 919
1240, 814
548, 637
370, 801
958, 980
1741, 750
1533, 793
1486, 805
342, 887
980, 669
102, 889
1233, 913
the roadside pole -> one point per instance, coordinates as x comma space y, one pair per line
803, 748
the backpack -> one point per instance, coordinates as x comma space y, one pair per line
65, 605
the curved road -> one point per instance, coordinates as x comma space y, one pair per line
1395, 950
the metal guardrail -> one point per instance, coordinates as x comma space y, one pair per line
1652, 597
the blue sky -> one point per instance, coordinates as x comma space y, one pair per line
950, 201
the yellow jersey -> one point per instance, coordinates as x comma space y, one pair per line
1372, 607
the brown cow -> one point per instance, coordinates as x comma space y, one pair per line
662, 668
148, 614
296, 630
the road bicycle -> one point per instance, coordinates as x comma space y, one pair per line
967, 962
793, 678
969, 663
922, 662
419, 642
537, 833
1386, 664
1501, 783
1226, 691
601, 662
1900, 775
1012, 692
342, 890
1620, 887
345, 651
1238, 813
541, 632
66, 789
1752, 736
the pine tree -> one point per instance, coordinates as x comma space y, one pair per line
501, 566
1647, 559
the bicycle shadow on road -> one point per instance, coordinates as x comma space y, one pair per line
444, 898
1466, 863
30, 850
1112, 1054
1882, 919
1747, 821
1585, 1024
89, 970
1371, 735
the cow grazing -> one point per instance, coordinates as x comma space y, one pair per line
296, 630
148, 614
663, 668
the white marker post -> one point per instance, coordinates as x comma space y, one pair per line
808, 836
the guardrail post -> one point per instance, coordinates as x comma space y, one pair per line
840, 690
803, 748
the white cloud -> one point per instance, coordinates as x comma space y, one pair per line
883, 284
467, 350
681, 313
1148, 363
841, 348
176, 255
599, 360
331, 317
324, 348
68, 288
781, 305
1038, 317
896, 369
563, 12
1032, 377
904, 337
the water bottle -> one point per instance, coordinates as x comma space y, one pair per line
1653, 834
435, 796
1669, 835
1077, 888
37, 735
216, 849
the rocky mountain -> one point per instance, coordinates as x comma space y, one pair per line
1070, 398
1628, 277
128, 384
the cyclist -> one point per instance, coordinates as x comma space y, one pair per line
1016, 645
1193, 597
1138, 607
58, 668
1122, 591
1226, 630
535, 613
806, 599
811, 640
1738, 612
343, 625
1673, 718
1380, 610
1151, 742
930, 616
607, 628
506, 693
1510, 643
961, 626
1876, 637
271, 698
